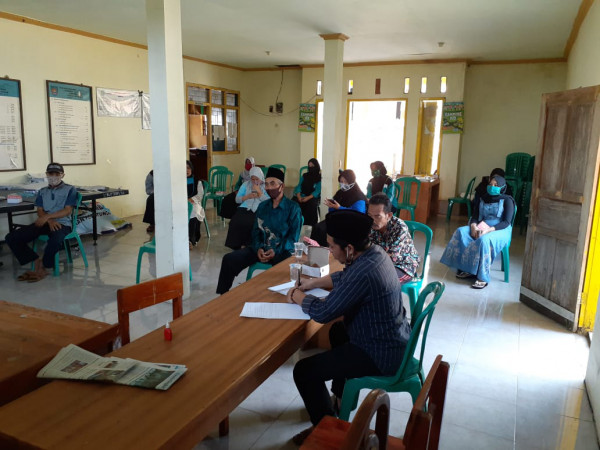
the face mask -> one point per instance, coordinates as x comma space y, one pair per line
375, 173
54, 181
248, 166
493, 190
313, 169
346, 187
274, 193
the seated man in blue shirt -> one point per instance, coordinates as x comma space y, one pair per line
276, 228
54, 206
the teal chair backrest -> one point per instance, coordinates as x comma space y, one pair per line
436, 289
303, 170
404, 190
469, 189
221, 180
427, 233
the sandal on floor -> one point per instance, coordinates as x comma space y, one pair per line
464, 275
299, 438
25, 276
479, 284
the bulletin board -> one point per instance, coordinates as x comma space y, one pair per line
71, 123
12, 142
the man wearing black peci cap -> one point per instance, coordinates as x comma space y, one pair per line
372, 337
54, 205
276, 228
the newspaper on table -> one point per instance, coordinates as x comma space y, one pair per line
74, 363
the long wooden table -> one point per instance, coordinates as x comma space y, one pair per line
30, 337
227, 356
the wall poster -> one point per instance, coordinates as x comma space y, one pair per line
12, 142
71, 123
306, 121
453, 120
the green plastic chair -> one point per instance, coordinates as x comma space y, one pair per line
505, 251
221, 181
303, 170
266, 266
66, 244
278, 166
205, 188
150, 247
517, 165
410, 375
466, 199
403, 195
412, 288
264, 170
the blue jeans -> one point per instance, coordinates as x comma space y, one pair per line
19, 239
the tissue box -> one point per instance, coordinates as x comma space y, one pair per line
14, 198
318, 262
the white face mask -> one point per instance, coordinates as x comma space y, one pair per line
346, 187
54, 181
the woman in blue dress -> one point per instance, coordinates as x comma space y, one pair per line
474, 247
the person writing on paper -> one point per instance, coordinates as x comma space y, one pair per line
372, 337
276, 228
54, 206
473, 248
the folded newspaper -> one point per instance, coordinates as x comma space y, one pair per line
75, 363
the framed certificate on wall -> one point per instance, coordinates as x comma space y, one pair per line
71, 123
12, 142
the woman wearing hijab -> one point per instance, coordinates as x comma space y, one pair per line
249, 196
308, 192
380, 182
195, 192
474, 247
229, 205
349, 196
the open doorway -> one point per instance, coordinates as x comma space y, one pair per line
376, 130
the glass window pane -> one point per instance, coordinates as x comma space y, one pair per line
443, 85
423, 85
216, 97
406, 85
231, 99
232, 128
197, 94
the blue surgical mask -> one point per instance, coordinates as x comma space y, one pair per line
493, 190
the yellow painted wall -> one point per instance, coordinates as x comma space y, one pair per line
502, 109
392, 86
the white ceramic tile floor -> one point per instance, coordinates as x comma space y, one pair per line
516, 377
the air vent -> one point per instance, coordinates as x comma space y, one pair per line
288, 66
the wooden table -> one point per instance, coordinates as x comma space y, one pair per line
428, 203
30, 337
227, 356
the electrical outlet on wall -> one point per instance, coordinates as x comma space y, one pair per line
279, 107
270, 108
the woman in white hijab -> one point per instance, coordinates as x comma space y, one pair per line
229, 205
249, 196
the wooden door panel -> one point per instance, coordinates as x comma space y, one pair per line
544, 248
563, 276
575, 152
554, 136
558, 216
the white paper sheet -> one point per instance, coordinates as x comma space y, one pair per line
265, 310
285, 287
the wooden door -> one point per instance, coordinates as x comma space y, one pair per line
562, 201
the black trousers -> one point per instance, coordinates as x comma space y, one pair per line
149, 212
309, 210
194, 230
233, 263
240, 229
343, 361
19, 239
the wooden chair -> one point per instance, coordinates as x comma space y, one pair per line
422, 431
143, 295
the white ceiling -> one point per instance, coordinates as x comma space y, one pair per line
240, 32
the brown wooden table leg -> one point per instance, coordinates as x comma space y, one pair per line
224, 427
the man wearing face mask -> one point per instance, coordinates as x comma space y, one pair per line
54, 206
372, 337
276, 228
